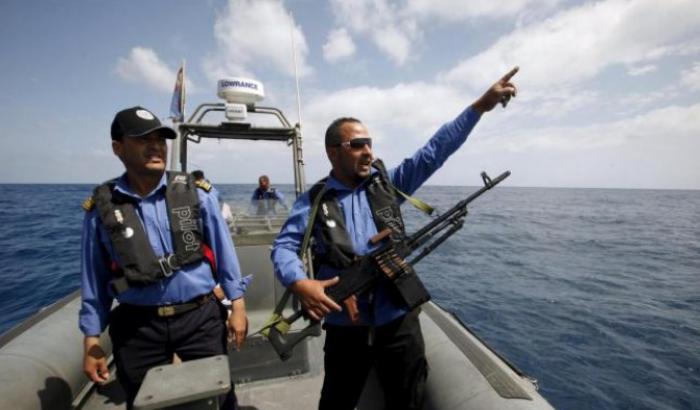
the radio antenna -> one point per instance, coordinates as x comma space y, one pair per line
296, 70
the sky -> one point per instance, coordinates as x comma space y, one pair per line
609, 91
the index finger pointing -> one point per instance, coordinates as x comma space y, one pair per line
510, 74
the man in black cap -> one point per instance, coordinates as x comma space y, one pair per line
156, 242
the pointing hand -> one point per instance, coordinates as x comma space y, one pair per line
500, 92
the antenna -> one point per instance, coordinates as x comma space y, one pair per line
296, 71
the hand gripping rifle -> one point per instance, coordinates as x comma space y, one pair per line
388, 263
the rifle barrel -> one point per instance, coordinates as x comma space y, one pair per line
437, 242
488, 184
417, 241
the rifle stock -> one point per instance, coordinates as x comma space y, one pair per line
284, 343
364, 273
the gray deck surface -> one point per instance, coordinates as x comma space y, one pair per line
454, 382
296, 392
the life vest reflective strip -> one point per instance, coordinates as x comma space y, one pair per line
139, 266
208, 254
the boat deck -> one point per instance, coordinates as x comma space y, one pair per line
293, 392
465, 374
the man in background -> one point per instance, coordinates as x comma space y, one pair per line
265, 198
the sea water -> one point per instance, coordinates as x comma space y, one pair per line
595, 293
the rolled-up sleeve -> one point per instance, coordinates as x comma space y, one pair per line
94, 273
285, 250
414, 171
218, 236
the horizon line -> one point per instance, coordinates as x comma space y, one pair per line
426, 185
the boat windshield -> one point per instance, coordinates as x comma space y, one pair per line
253, 221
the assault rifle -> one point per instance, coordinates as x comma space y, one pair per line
388, 263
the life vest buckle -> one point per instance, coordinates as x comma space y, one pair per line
168, 265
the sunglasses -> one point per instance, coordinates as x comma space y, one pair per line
355, 143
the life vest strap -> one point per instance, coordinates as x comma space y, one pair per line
119, 285
168, 266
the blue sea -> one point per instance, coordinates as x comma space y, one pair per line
593, 292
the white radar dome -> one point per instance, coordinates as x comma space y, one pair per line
240, 90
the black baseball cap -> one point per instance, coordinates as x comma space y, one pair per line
138, 122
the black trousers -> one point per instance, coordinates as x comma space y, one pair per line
397, 352
142, 340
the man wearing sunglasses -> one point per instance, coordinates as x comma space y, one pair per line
350, 206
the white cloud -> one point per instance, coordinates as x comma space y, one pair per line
409, 108
632, 102
656, 149
577, 44
691, 77
362, 16
661, 126
392, 31
629, 152
144, 66
394, 42
640, 70
557, 57
459, 10
645, 163
554, 105
338, 46
250, 34
397, 26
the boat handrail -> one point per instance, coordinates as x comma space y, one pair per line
204, 109
194, 130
